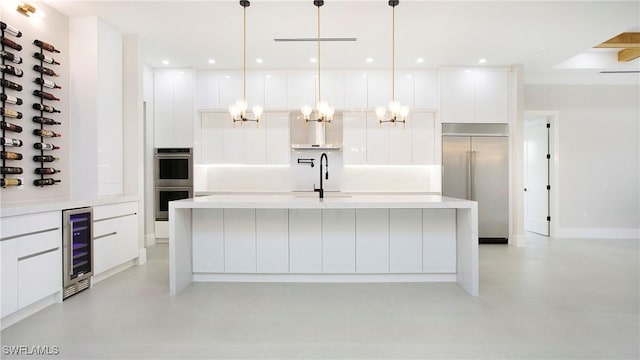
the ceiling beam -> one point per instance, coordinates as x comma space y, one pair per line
628, 54
623, 40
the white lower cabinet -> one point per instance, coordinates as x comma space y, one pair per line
240, 240
405, 240
372, 241
37, 278
439, 241
9, 268
115, 235
305, 241
208, 239
338, 241
272, 240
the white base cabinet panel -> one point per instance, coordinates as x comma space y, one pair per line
439, 240
240, 240
338, 241
305, 241
272, 240
405, 240
372, 241
37, 278
9, 278
115, 235
208, 240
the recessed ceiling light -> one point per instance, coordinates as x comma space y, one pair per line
482, 61
211, 61
369, 60
165, 62
259, 60
420, 60
313, 60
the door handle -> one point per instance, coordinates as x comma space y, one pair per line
468, 192
473, 175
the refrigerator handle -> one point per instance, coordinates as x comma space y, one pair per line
469, 176
473, 176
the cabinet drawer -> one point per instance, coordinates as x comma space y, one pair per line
39, 277
113, 210
8, 226
103, 228
39, 221
35, 243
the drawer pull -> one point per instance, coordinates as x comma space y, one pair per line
114, 217
37, 254
104, 236
29, 233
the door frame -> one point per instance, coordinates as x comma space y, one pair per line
553, 118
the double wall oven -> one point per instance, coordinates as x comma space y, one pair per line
173, 178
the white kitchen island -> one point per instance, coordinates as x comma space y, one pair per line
341, 238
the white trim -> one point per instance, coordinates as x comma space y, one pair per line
150, 239
323, 278
142, 257
114, 270
31, 309
598, 233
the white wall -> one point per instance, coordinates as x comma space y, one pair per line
599, 157
54, 29
147, 95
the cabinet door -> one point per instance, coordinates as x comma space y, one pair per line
457, 96
492, 95
39, 277
378, 88
163, 85
377, 141
272, 229
230, 88
400, 142
372, 240
278, 147
355, 90
305, 241
105, 250
405, 240
212, 139
183, 85
255, 143
404, 87
163, 124
232, 141
255, 89
128, 238
426, 89
275, 90
208, 86
183, 117
354, 137
240, 240
9, 268
332, 87
302, 89
208, 241
439, 240
424, 141
338, 241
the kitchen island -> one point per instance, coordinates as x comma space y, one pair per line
341, 238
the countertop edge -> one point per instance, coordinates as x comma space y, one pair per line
15, 209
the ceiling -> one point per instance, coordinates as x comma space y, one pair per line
543, 36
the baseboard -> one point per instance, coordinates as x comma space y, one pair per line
109, 273
323, 278
29, 310
598, 233
142, 257
149, 239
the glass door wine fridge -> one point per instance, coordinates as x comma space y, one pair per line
77, 250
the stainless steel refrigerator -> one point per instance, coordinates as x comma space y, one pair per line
475, 161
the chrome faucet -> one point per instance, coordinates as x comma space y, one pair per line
326, 174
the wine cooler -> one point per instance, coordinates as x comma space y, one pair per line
77, 250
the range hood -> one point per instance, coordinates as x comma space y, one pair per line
316, 136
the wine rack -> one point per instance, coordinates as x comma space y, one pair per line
45, 85
10, 89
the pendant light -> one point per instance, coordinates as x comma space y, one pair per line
324, 112
398, 113
238, 110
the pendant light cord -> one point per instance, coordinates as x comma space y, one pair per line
244, 54
393, 54
319, 92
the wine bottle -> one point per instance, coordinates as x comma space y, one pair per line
10, 142
43, 182
45, 58
11, 85
47, 83
44, 146
10, 29
12, 44
46, 171
44, 45
11, 127
11, 70
45, 95
10, 113
10, 99
45, 108
10, 182
11, 57
10, 155
10, 170
44, 70
45, 133
44, 120
45, 158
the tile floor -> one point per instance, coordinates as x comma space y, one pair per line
556, 298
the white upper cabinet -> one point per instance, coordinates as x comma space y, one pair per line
354, 138
212, 137
174, 107
355, 90
479, 95
208, 90
378, 88
332, 87
404, 88
426, 89
275, 90
377, 142
301, 89
278, 148
230, 88
424, 141
255, 89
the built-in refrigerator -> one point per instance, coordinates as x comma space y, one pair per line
475, 161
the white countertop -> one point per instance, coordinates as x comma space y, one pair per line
31, 207
331, 201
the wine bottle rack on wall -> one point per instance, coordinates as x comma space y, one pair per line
46, 97
11, 102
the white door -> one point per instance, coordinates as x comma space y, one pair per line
536, 148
